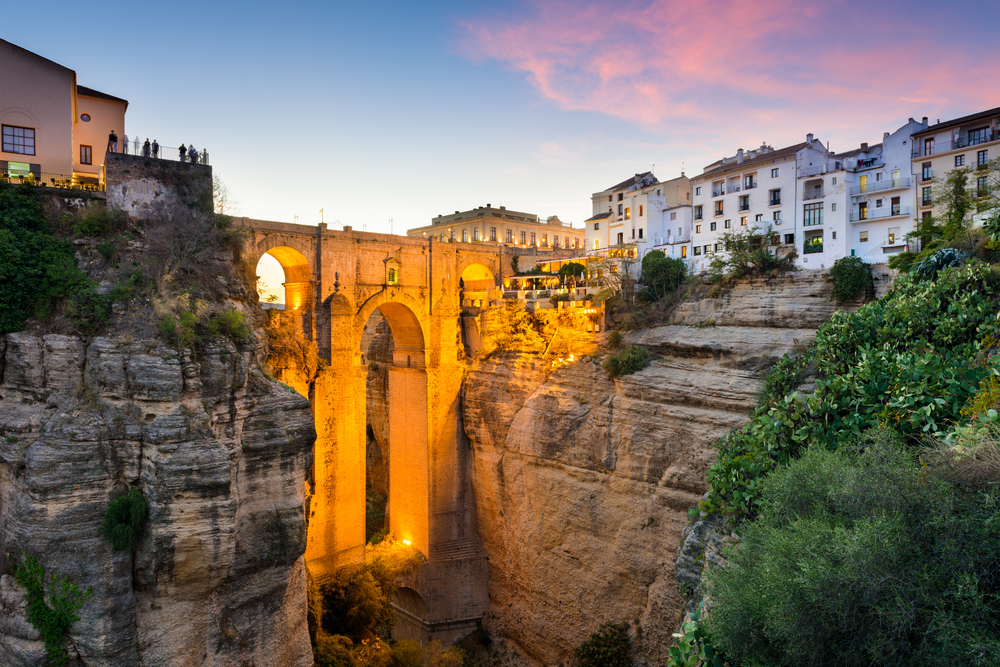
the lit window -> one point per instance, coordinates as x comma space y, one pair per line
640, 210
684, 251
743, 221
597, 244
533, 238
628, 213
509, 236
523, 241
545, 240
475, 234
393, 276
697, 229
493, 234
465, 235
18, 140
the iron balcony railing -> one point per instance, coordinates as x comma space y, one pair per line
937, 147
776, 201
878, 186
718, 212
162, 152
718, 192
82, 182
732, 188
879, 213
815, 194
810, 248
697, 216
744, 207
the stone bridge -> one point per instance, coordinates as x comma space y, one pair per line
335, 280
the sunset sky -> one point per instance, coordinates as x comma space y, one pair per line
379, 111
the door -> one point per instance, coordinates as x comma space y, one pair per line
863, 211
864, 184
895, 178
895, 206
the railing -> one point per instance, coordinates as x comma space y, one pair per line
749, 186
59, 181
718, 193
872, 163
879, 213
811, 248
162, 153
878, 186
718, 212
697, 216
668, 240
945, 146
744, 207
732, 188
815, 194
775, 202
813, 171
927, 201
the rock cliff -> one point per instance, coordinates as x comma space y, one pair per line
583, 484
221, 452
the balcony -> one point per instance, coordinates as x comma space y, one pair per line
879, 186
718, 213
718, 192
926, 175
939, 147
774, 202
732, 188
750, 186
815, 194
880, 213
872, 163
670, 240
927, 201
698, 216
811, 248
744, 207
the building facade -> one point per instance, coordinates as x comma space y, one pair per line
52, 128
500, 226
970, 141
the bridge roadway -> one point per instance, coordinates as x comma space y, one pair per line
335, 280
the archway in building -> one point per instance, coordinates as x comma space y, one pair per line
411, 615
285, 283
396, 430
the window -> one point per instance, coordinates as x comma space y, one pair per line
697, 213
628, 213
609, 197
895, 205
697, 250
878, 177
728, 224
493, 234
743, 221
774, 173
475, 234
442, 238
597, 244
759, 217
711, 227
774, 198
621, 195
981, 158
509, 237
640, 210
576, 243
392, 276
533, 238
523, 240
673, 215
926, 172
926, 215
959, 160
979, 136
707, 248
684, 251
678, 231
86, 155
621, 238
926, 198
715, 248
452, 234
545, 240
878, 203
555, 241
621, 208
833, 206
745, 203
640, 232
789, 239
777, 217
465, 235
718, 208
812, 214
597, 226
833, 235
697, 229
18, 140
748, 183
697, 190
893, 234
929, 146
981, 187
863, 237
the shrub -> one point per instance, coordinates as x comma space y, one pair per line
626, 361
107, 250
99, 221
575, 269
124, 520
408, 653
356, 603
858, 558
333, 651
229, 323
852, 277
52, 622
615, 339
693, 646
749, 253
927, 269
608, 647
661, 274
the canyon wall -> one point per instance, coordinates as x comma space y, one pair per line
583, 483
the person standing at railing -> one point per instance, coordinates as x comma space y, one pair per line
124, 143
112, 142
194, 155
183, 150
156, 148
136, 145
146, 148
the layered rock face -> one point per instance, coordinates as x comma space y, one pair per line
583, 484
220, 451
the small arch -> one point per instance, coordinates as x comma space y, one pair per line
410, 601
295, 287
407, 334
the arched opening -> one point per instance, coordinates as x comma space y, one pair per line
396, 472
411, 615
285, 283
477, 284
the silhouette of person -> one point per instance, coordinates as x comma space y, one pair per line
183, 151
146, 148
156, 148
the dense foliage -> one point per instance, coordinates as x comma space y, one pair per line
626, 361
36, 268
574, 269
852, 277
124, 520
911, 359
661, 274
356, 603
608, 647
750, 253
861, 557
52, 619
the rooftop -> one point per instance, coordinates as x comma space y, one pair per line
762, 158
646, 175
982, 115
90, 92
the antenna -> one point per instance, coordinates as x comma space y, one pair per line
390, 226
321, 215
296, 220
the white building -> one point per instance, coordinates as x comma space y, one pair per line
641, 211
752, 188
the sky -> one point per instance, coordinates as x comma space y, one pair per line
403, 111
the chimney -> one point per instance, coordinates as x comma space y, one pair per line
809, 138
923, 121
885, 135
739, 156
487, 206
864, 147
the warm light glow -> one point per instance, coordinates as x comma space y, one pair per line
406, 542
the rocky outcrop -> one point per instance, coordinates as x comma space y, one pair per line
221, 453
583, 484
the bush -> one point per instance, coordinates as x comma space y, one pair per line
356, 604
662, 275
574, 269
750, 253
52, 622
927, 269
852, 278
408, 653
859, 558
99, 222
608, 647
615, 340
124, 520
333, 651
626, 361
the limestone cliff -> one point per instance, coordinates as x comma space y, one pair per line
221, 452
583, 484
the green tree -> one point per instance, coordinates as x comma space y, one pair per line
574, 269
662, 274
753, 252
852, 276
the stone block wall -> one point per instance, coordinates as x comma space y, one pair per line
135, 183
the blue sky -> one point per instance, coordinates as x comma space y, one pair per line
408, 110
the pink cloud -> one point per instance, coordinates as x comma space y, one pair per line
712, 64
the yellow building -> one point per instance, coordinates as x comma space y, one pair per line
499, 226
53, 130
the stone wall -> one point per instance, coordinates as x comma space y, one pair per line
136, 183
